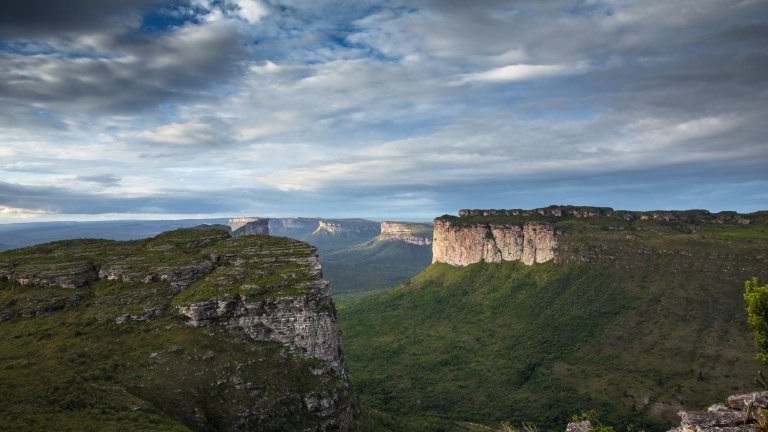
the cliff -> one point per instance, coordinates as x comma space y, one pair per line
557, 232
636, 318
192, 329
461, 245
249, 226
419, 234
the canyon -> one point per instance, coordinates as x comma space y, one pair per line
419, 234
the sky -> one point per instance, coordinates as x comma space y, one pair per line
402, 109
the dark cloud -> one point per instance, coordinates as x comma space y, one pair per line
102, 179
43, 18
133, 72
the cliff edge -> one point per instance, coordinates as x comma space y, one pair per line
191, 330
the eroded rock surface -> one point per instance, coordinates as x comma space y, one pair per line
464, 244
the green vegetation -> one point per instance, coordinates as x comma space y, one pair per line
116, 356
756, 297
651, 323
373, 266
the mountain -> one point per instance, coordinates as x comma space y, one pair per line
293, 227
332, 234
535, 315
189, 330
401, 250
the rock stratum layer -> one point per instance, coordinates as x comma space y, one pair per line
220, 333
419, 234
462, 245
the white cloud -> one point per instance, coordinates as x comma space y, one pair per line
523, 72
251, 11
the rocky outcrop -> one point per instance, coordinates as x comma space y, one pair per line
740, 413
555, 211
465, 244
307, 322
419, 234
249, 226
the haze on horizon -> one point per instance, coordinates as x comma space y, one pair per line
400, 109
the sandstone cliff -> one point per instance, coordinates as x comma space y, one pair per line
464, 244
543, 234
249, 226
412, 233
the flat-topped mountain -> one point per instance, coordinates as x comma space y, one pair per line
536, 315
190, 330
552, 233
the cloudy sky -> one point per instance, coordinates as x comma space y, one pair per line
379, 108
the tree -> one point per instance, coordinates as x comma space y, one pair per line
756, 298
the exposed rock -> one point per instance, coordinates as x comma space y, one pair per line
307, 321
469, 243
413, 233
733, 416
740, 401
249, 226
580, 426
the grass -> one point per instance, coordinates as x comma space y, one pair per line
652, 324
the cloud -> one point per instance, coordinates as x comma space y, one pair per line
301, 106
101, 179
522, 72
251, 10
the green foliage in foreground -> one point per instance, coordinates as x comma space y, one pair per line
654, 325
756, 298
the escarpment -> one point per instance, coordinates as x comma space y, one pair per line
573, 234
192, 328
461, 245
419, 234
249, 226
278, 296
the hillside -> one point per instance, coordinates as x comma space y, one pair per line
189, 330
374, 266
634, 317
332, 234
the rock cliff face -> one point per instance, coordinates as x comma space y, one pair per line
535, 236
249, 226
464, 244
292, 306
412, 233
